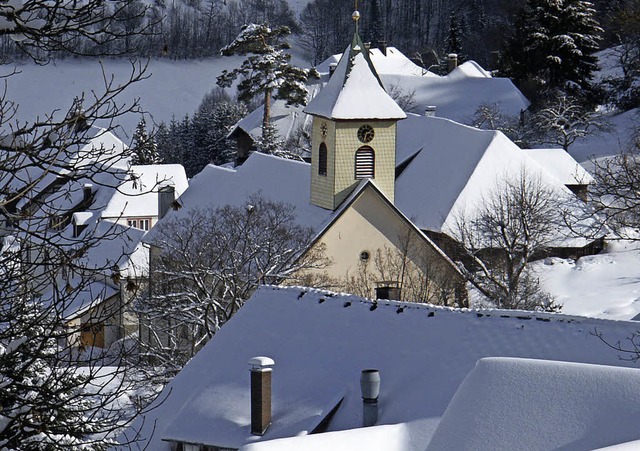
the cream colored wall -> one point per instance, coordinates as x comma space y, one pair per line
329, 191
368, 225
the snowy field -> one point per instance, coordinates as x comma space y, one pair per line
602, 286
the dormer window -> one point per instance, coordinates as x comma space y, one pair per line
322, 159
365, 163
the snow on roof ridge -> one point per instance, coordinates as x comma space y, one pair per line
403, 306
254, 156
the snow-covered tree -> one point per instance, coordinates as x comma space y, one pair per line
455, 36
564, 119
144, 147
516, 222
208, 263
51, 398
553, 46
267, 70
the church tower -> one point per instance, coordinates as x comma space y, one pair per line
354, 130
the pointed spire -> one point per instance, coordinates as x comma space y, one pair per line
355, 90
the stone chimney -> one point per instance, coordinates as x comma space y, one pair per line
261, 369
452, 61
430, 111
370, 387
166, 197
87, 190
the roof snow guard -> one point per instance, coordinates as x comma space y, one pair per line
355, 90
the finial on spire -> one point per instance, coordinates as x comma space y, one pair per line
356, 15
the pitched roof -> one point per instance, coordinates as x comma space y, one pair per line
561, 165
320, 343
138, 195
456, 166
354, 91
456, 95
274, 178
522, 404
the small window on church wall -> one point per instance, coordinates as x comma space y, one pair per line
365, 163
322, 159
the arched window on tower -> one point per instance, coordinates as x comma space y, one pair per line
365, 163
322, 159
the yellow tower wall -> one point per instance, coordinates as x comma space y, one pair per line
342, 143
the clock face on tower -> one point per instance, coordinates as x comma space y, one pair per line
366, 133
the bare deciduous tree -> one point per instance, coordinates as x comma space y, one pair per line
208, 264
417, 271
516, 222
52, 396
564, 119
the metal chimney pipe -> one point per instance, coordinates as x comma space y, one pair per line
261, 369
370, 387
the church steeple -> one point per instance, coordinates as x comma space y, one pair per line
354, 130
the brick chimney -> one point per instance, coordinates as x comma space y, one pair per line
261, 369
452, 61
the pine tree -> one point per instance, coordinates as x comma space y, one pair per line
145, 149
553, 46
267, 70
455, 36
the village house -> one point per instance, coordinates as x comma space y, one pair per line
114, 205
293, 371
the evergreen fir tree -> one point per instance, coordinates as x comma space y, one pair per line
270, 142
553, 45
455, 36
145, 150
267, 70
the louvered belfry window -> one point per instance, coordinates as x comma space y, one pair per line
322, 159
365, 163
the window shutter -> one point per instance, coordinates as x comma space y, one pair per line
365, 163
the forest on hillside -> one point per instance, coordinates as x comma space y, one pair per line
425, 29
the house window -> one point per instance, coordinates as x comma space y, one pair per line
365, 163
139, 223
322, 159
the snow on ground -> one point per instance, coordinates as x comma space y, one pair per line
602, 286
173, 88
607, 143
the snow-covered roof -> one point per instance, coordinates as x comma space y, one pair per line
393, 62
276, 179
117, 246
455, 165
388, 437
458, 166
287, 120
561, 165
322, 341
456, 95
354, 91
138, 196
90, 295
522, 404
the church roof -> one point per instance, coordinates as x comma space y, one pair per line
355, 90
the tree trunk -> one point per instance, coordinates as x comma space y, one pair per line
267, 110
